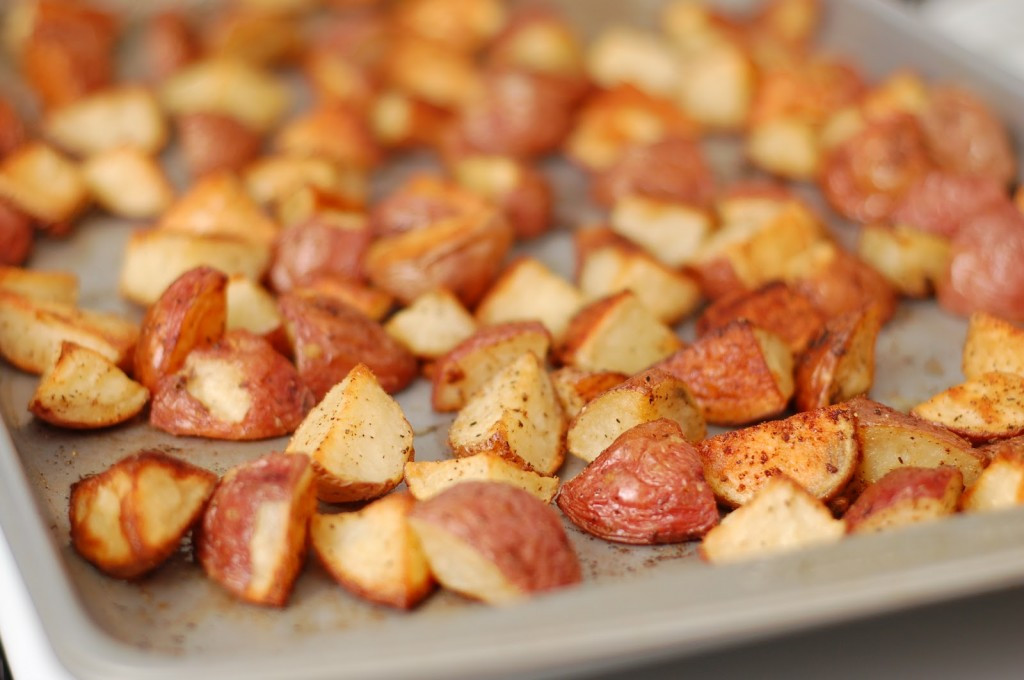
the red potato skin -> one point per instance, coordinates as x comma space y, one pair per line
865, 178
12, 129
816, 368
941, 201
418, 203
191, 313
529, 206
314, 249
280, 400
848, 284
900, 486
170, 43
646, 488
223, 540
511, 528
985, 272
329, 338
964, 136
669, 170
215, 142
16, 235
774, 307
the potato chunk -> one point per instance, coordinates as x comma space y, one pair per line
219, 205
576, 386
109, 119
775, 307
374, 553
839, 364
43, 183
671, 232
528, 290
131, 517
905, 496
427, 479
358, 439
912, 261
39, 285
84, 390
993, 344
128, 183
983, 409
1001, 484
432, 325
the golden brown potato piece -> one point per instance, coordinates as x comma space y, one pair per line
397, 120
1001, 484
912, 261
462, 254
528, 290
358, 439
216, 142
717, 84
817, 449
16, 235
12, 128
780, 517
332, 131
263, 36
219, 205
329, 338
279, 177
520, 190
432, 325
475, 360
965, 136
774, 307
43, 286
84, 390
42, 183
494, 542
516, 414
670, 231
992, 344
250, 307
889, 439
169, 44
839, 364
252, 540
191, 313
125, 116
981, 409
786, 147
837, 282
132, 516
239, 388
627, 55
737, 373
671, 170
155, 258
576, 386
646, 488
645, 397
617, 333
374, 553
463, 25
128, 183
363, 298
328, 244
539, 40
32, 332
427, 479
905, 496
421, 201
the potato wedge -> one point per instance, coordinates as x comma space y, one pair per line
779, 518
837, 282
43, 183
774, 307
516, 414
494, 542
239, 388
84, 390
215, 142
432, 325
1001, 484
427, 479
912, 261
737, 373
645, 397
905, 496
372, 302
671, 232
125, 116
475, 360
327, 244
617, 333
626, 55
251, 307
219, 205
334, 131
374, 553
839, 364
816, 449
275, 178
128, 183
39, 285
128, 519
17, 235
358, 439
992, 344
646, 488
576, 386
785, 146
529, 290
522, 191
252, 540
983, 409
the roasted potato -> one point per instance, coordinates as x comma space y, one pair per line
520, 190
169, 43
128, 183
216, 142
774, 307
333, 131
127, 116
371, 301
1001, 483
327, 244
528, 290
275, 178
44, 184
250, 307
494, 542
432, 325
16, 235
669, 171
905, 496
576, 386
912, 261
219, 205
626, 55
839, 364
963, 135
837, 282
252, 540
992, 344
672, 232
40, 285
128, 519
427, 479
982, 409
358, 439
938, 203
647, 487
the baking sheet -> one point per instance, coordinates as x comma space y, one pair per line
635, 601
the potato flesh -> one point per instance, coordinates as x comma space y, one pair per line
128, 183
671, 232
219, 385
432, 325
1000, 486
110, 119
911, 260
985, 408
530, 291
251, 307
668, 293
426, 479
993, 345
41, 286
43, 183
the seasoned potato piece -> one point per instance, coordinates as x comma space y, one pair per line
363, 298
42, 183
541, 41
785, 146
16, 235
774, 307
432, 325
327, 244
250, 307
475, 360
128, 183
154, 258
646, 488
817, 449
528, 290
252, 540
219, 205
576, 386
39, 285
32, 331
993, 344
839, 364
905, 496
779, 518
463, 25
263, 36
374, 553
433, 72
912, 261
889, 439
737, 373
494, 542
645, 397
626, 55
421, 201
516, 414
238, 389
169, 43
273, 178
427, 479
982, 409
107, 120
215, 142
397, 120
191, 313
837, 282
329, 338
617, 333
1001, 484
84, 390
671, 232
668, 293
333, 131
717, 84
520, 190
671, 171
132, 516
358, 439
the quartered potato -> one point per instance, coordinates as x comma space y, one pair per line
432, 325
982, 409
528, 290
427, 479
40, 285
906, 496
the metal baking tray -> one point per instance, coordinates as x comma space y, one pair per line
635, 603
